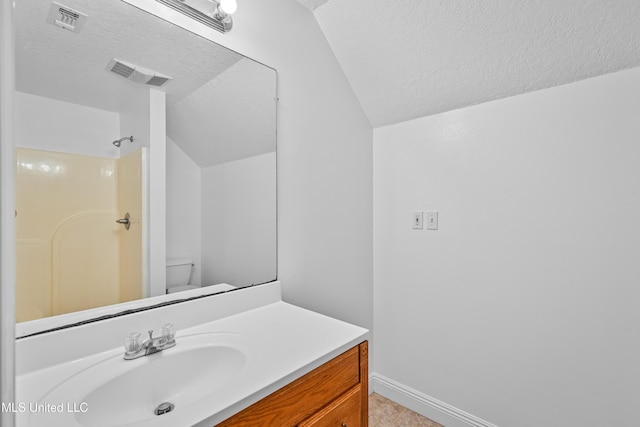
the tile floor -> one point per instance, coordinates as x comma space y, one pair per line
386, 413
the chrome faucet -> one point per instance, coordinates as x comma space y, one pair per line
134, 348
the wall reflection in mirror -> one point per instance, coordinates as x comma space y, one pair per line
126, 73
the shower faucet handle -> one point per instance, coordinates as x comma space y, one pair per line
126, 221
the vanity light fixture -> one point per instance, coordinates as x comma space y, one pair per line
212, 13
224, 9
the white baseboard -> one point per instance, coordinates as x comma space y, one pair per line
434, 409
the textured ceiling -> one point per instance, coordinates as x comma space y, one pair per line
72, 67
411, 58
313, 4
231, 117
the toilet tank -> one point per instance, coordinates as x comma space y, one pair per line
178, 271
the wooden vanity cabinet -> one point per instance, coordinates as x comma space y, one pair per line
334, 394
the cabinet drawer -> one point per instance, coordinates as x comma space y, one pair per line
303, 397
343, 412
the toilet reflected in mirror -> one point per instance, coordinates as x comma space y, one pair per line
179, 275
180, 278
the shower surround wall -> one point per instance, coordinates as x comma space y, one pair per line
69, 248
130, 196
522, 309
66, 248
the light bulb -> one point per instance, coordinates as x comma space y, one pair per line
228, 6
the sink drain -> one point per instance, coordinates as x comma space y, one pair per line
163, 408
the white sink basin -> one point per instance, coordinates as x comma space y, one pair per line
117, 392
231, 351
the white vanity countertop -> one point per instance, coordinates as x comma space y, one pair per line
292, 342
285, 343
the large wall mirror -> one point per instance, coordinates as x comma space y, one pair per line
96, 106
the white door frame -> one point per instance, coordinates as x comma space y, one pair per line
7, 209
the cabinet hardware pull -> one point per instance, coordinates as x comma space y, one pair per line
343, 425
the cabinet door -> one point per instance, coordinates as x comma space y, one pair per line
305, 396
343, 412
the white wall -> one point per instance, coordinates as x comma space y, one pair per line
48, 124
522, 309
184, 209
239, 204
135, 120
235, 243
144, 117
324, 158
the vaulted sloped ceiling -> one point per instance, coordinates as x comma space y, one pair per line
312, 4
412, 58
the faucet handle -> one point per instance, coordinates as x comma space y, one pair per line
132, 343
169, 332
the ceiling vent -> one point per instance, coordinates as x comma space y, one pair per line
158, 80
65, 17
136, 73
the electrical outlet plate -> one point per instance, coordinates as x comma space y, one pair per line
416, 220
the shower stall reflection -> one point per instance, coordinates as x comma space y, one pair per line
75, 256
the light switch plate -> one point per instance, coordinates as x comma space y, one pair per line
432, 220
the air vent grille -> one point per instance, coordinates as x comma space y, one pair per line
136, 73
68, 14
157, 80
122, 69
65, 17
